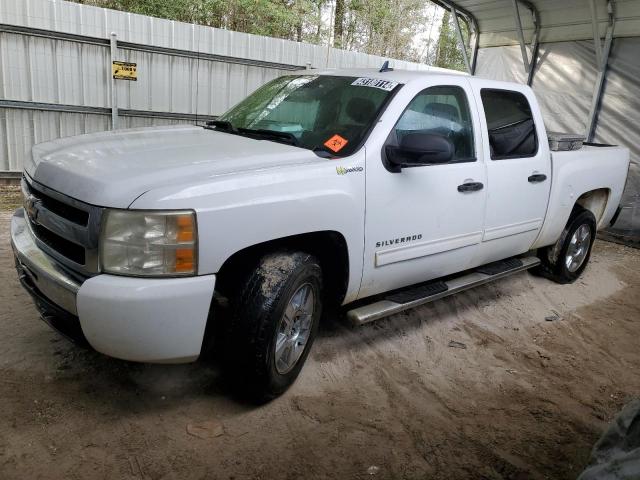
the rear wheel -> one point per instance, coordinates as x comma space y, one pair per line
567, 259
273, 323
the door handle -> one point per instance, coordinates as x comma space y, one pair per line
537, 177
470, 187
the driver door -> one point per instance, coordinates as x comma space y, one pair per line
421, 223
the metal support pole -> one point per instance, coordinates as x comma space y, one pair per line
471, 22
114, 90
596, 31
534, 44
532, 68
474, 49
523, 47
602, 72
454, 14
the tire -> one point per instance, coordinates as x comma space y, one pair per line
269, 316
565, 261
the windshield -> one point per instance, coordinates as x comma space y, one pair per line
317, 112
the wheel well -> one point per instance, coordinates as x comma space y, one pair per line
329, 247
595, 201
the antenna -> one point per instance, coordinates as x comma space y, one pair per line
386, 67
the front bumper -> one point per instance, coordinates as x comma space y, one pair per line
138, 319
38, 272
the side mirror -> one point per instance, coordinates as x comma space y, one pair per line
418, 149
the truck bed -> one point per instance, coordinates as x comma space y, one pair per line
593, 167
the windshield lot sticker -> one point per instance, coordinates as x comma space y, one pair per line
344, 171
336, 143
375, 83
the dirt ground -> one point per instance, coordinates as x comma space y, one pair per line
526, 398
10, 197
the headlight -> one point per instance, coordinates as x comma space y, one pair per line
149, 243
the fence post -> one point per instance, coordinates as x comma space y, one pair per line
114, 90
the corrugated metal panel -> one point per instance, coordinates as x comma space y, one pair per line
560, 20
47, 70
20, 129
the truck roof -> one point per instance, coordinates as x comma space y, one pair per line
407, 76
400, 76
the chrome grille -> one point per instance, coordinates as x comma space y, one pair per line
64, 227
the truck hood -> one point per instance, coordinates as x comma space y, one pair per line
112, 169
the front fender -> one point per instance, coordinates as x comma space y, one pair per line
236, 211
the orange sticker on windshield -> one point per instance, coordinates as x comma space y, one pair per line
336, 143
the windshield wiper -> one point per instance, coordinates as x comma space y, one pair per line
322, 153
220, 125
284, 137
225, 126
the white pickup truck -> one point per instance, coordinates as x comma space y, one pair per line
372, 190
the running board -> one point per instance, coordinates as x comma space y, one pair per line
386, 307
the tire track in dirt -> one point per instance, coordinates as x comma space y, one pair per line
526, 399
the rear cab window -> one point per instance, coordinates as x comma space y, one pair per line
510, 124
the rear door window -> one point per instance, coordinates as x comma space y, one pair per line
512, 131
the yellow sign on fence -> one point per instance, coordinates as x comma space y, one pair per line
125, 71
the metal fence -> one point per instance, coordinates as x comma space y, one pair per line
56, 77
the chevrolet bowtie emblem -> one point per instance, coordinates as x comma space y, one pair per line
31, 207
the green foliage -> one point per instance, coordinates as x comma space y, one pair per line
274, 18
449, 54
386, 28
397, 29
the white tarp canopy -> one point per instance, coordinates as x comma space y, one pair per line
582, 61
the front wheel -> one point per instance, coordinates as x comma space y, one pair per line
567, 259
273, 323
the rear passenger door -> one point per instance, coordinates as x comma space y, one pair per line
518, 170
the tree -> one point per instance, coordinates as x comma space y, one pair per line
274, 18
449, 54
387, 28
396, 29
338, 23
